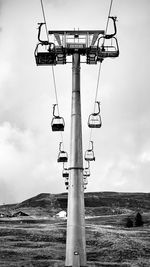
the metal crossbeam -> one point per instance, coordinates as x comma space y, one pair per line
82, 32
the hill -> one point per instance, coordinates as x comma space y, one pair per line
96, 203
40, 240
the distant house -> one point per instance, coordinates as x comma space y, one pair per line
19, 214
61, 214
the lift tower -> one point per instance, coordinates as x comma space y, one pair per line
92, 47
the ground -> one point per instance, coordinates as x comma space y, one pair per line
40, 242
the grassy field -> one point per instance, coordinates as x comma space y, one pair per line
41, 242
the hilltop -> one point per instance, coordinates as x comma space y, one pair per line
96, 203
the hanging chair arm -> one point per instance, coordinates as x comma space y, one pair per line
91, 146
54, 105
39, 36
109, 36
60, 144
97, 113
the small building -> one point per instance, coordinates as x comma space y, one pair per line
20, 214
62, 214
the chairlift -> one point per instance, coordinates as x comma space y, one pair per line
85, 181
66, 183
94, 120
89, 154
107, 48
86, 171
65, 172
62, 156
45, 54
107, 45
44, 51
57, 122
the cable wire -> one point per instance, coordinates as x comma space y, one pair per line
53, 73
55, 88
44, 17
110, 7
99, 70
97, 86
96, 94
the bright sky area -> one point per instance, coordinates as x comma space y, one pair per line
28, 147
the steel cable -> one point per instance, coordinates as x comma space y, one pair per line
53, 73
99, 70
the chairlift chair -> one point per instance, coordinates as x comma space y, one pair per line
62, 156
108, 48
44, 51
89, 154
107, 45
85, 181
66, 183
57, 122
65, 173
94, 120
44, 56
86, 171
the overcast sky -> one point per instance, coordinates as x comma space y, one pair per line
28, 147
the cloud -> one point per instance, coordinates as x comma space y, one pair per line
26, 163
28, 148
6, 192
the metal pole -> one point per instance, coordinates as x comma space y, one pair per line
75, 244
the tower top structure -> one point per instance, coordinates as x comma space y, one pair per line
94, 45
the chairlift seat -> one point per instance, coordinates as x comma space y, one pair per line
57, 124
94, 121
45, 58
65, 174
108, 53
66, 183
85, 182
86, 172
62, 157
89, 155
109, 50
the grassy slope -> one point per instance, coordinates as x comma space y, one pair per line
40, 242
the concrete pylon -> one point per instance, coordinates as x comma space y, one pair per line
75, 244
